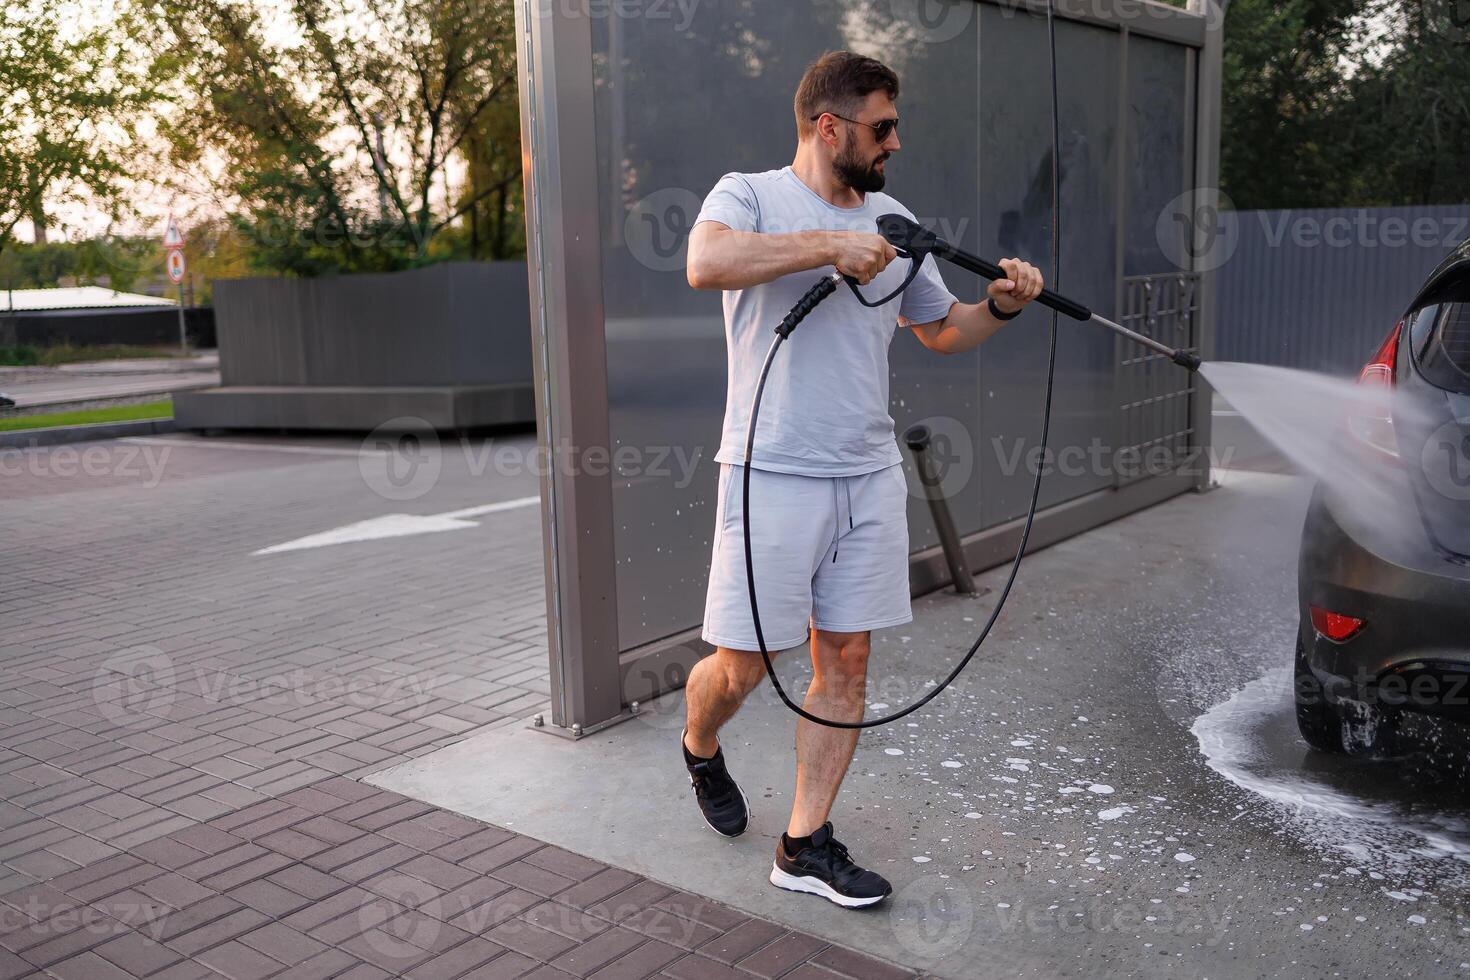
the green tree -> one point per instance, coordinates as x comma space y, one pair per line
1404, 123
1346, 103
343, 124
27, 266
72, 90
1282, 79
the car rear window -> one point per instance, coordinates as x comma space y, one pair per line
1441, 335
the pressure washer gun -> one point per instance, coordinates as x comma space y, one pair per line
913, 241
909, 236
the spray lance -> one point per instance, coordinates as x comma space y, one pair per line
915, 242
918, 241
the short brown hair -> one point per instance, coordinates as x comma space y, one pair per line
838, 82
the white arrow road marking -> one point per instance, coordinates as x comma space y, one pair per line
398, 525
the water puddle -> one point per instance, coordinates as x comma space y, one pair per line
1392, 820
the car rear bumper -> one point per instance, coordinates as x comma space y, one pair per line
1413, 651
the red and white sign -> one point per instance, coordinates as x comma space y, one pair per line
172, 236
175, 265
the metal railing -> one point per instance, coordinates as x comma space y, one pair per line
1153, 393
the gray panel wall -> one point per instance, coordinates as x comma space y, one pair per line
1015, 219
975, 161
1160, 143
456, 323
1321, 288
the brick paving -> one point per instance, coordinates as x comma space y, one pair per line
156, 673
183, 727
338, 879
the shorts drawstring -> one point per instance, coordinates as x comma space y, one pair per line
837, 511
836, 514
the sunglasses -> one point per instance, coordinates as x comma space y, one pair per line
882, 129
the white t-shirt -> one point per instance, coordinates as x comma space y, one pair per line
825, 407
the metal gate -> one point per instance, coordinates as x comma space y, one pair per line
1156, 432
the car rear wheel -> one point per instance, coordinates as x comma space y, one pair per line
1317, 720
1358, 728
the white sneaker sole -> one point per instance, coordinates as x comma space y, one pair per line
816, 886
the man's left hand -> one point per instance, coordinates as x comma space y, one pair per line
1024, 285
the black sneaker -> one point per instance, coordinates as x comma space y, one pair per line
721, 801
825, 869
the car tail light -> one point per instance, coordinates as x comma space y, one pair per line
1337, 627
1371, 421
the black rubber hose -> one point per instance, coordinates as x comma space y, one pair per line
800, 312
828, 283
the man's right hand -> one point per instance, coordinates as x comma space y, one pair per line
860, 254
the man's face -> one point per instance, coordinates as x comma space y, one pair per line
860, 157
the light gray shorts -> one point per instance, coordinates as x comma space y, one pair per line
832, 552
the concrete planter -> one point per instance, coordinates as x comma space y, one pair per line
447, 346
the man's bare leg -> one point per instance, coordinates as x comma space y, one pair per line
837, 691
716, 688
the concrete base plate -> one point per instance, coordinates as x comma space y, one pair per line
1052, 814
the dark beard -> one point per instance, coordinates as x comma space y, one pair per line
856, 173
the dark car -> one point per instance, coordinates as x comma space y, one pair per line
1385, 602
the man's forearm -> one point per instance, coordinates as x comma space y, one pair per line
967, 325
739, 259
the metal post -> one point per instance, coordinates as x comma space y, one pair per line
569, 353
183, 337
1207, 180
917, 439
